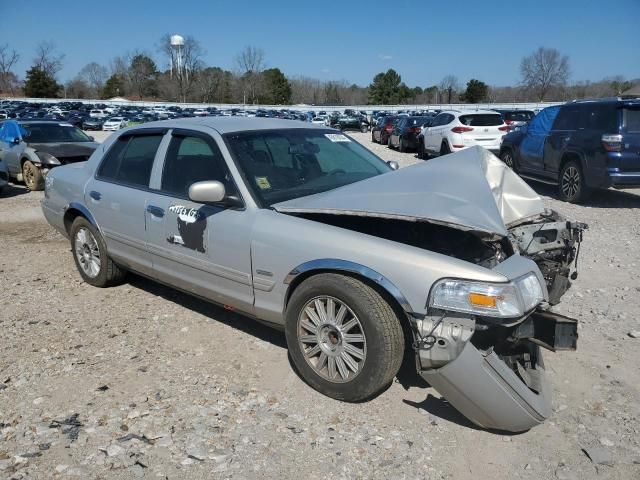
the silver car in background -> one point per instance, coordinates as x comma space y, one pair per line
455, 261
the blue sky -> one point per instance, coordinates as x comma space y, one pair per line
423, 40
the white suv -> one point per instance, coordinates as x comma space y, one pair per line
454, 130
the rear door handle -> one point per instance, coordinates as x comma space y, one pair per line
155, 211
95, 195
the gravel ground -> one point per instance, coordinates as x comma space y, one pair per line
142, 381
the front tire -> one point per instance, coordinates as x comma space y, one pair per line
345, 340
32, 176
444, 148
90, 255
571, 185
507, 157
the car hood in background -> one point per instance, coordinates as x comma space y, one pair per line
66, 149
471, 190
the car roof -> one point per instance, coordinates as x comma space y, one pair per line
470, 112
232, 124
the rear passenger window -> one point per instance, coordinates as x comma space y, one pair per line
130, 160
632, 119
568, 119
190, 160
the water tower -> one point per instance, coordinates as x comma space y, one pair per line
177, 56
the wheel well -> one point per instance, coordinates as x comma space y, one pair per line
567, 157
69, 216
388, 297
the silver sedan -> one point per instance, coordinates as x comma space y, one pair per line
454, 261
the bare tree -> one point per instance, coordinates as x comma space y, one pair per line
250, 64
47, 59
94, 75
191, 53
8, 59
543, 70
449, 85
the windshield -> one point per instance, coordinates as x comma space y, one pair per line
54, 133
280, 165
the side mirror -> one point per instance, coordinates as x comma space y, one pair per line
207, 192
393, 164
212, 191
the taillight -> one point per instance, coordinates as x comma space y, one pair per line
461, 129
504, 128
612, 143
414, 130
388, 128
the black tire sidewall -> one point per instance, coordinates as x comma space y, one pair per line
100, 280
582, 191
364, 384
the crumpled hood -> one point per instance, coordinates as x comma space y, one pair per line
470, 190
66, 149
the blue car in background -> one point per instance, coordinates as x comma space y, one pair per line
579, 146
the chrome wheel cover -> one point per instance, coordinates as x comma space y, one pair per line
570, 182
508, 160
331, 339
87, 252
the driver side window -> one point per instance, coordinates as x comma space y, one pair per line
192, 159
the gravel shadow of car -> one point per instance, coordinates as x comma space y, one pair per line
609, 198
12, 190
214, 312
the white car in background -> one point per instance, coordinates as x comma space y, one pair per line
319, 120
98, 113
454, 130
114, 123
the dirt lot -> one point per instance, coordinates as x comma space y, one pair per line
142, 381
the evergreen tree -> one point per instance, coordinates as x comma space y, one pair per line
476, 91
277, 87
40, 84
114, 87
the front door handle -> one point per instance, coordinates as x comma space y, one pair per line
95, 195
155, 211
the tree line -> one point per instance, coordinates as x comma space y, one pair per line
136, 75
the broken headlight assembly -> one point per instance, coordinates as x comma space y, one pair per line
47, 158
500, 300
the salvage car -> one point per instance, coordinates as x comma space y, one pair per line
32, 148
302, 228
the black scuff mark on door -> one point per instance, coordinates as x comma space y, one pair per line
192, 224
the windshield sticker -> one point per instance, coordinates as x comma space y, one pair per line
336, 137
263, 183
192, 224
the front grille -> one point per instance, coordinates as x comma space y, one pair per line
67, 160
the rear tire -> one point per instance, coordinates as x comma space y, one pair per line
401, 146
422, 153
90, 255
373, 137
444, 148
389, 143
571, 185
317, 337
32, 176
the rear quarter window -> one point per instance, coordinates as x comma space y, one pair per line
632, 119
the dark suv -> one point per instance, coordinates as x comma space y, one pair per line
579, 146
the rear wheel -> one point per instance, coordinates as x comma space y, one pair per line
444, 148
90, 255
401, 146
422, 153
344, 338
571, 186
32, 176
389, 142
373, 137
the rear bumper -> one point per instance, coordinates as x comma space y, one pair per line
620, 179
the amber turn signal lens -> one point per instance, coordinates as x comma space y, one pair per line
480, 300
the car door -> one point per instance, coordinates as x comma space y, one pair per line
432, 131
203, 249
117, 196
12, 146
395, 133
532, 148
569, 122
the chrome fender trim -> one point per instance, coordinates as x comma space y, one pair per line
333, 264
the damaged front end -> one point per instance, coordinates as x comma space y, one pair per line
491, 368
